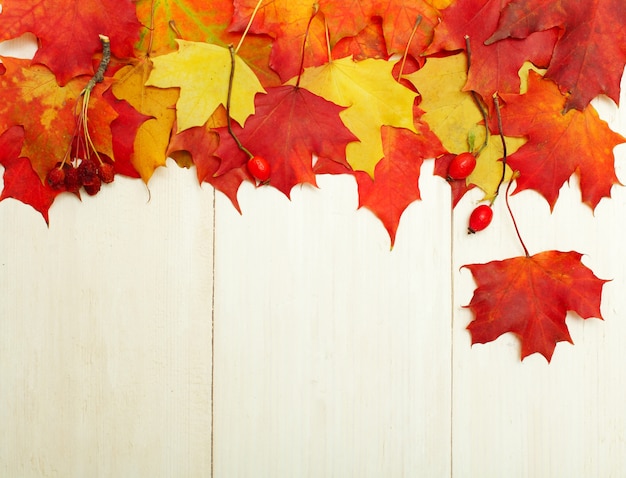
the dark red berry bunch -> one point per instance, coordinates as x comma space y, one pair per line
85, 173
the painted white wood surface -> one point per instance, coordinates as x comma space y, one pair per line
137, 339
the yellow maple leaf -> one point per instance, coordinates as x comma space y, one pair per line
202, 71
372, 98
488, 170
154, 134
450, 112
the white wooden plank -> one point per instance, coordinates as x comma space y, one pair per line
332, 354
105, 337
530, 419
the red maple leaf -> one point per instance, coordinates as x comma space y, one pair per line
290, 125
493, 67
559, 144
530, 296
201, 142
69, 31
590, 54
21, 182
395, 184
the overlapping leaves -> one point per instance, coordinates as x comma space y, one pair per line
367, 88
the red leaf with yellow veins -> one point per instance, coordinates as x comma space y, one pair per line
396, 177
559, 144
20, 180
30, 97
590, 54
290, 125
69, 31
530, 296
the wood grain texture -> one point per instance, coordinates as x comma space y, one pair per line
106, 331
566, 418
331, 351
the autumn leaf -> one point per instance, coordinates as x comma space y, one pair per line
397, 175
372, 98
559, 144
450, 112
69, 31
202, 71
368, 43
530, 296
590, 53
21, 182
152, 138
30, 97
200, 143
493, 67
285, 21
291, 124
193, 21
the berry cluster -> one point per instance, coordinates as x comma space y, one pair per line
84, 173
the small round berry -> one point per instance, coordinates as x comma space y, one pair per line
56, 178
93, 187
461, 166
72, 180
106, 172
259, 168
480, 218
87, 171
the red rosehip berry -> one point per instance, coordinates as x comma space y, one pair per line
461, 166
259, 168
480, 218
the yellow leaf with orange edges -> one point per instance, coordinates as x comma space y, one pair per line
154, 134
372, 98
202, 72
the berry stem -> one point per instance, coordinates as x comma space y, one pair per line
316, 8
228, 97
496, 103
245, 32
408, 44
475, 97
104, 63
508, 206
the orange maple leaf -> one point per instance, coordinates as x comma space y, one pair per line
191, 20
30, 97
530, 296
69, 31
559, 144
590, 53
395, 184
20, 180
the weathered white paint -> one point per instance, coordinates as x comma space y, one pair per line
173, 337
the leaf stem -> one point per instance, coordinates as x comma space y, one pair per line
476, 98
508, 206
245, 32
408, 44
316, 8
496, 103
327, 33
228, 97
